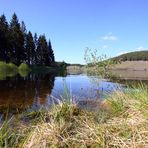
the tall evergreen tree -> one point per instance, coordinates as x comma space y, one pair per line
30, 48
4, 45
51, 53
24, 31
17, 41
23, 27
42, 51
17, 46
35, 38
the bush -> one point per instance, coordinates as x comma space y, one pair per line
24, 67
12, 67
7, 70
3, 67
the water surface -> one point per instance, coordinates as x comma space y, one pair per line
38, 90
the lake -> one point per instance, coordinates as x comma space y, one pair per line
42, 90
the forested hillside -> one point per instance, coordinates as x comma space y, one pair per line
17, 45
133, 56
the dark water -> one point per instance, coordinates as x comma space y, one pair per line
41, 90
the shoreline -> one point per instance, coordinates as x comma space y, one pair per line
120, 120
130, 74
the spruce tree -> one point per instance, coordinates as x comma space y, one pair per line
42, 51
51, 53
30, 49
24, 32
17, 41
17, 46
4, 45
35, 39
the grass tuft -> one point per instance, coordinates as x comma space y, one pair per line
120, 122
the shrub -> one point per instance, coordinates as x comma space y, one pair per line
24, 67
3, 66
7, 70
12, 67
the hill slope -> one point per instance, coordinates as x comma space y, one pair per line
133, 56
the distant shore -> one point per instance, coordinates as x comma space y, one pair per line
132, 70
137, 70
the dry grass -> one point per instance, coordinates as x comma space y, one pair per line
121, 123
131, 70
133, 65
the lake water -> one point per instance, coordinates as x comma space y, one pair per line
41, 90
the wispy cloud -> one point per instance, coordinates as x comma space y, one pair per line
104, 46
140, 48
109, 37
123, 52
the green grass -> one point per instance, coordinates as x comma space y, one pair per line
121, 121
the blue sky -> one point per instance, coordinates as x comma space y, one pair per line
110, 26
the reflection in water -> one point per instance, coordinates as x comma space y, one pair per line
34, 91
19, 93
80, 87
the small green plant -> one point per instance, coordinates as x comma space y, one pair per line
98, 64
24, 67
12, 67
24, 70
3, 66
7, 70
12, 70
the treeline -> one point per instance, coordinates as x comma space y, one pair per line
17, 45
133, 56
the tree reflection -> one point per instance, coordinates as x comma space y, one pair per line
19, 93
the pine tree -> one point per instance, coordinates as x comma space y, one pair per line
23, 27
4, 46
24, 31
51, 53
17, 41
42, 51
30, 49
17, 46
35, 39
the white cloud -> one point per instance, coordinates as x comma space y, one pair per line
109, 37
140, 48
123, 52
104, 46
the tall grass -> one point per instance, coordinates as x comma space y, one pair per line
120, 122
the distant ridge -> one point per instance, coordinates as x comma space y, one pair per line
133, 56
